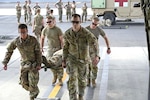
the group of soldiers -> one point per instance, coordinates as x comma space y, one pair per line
77, 50
27, 12
70, 9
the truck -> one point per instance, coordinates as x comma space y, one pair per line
112, 9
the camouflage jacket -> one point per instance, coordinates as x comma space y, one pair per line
77, 44
29, 50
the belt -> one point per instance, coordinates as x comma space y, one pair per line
28, 64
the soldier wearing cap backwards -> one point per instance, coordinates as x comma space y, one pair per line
77, 41
31, 59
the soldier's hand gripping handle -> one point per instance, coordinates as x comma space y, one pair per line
38, 67
96, 60
5, 67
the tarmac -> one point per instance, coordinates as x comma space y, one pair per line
122, 75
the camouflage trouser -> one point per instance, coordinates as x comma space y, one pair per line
77, 78
29, 79
84, 14
68, 14
60, 12
73, 11
92, 71
18, 17
25, 17
29, 18
58, 72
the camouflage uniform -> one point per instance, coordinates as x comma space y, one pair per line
18, 12
68, 11
54, 45
38, 24
93, 69
84, 13
30, 58
60, 10
55, 61
29, 11
25, 13
76, 55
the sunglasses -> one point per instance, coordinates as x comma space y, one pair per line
49, 22
75, 22
22, 32
94, 24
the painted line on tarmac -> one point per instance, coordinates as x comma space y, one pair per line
104, 79
57, 88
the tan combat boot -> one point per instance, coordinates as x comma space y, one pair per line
88, 82
80, 97
60, 82
54, 80
93, 83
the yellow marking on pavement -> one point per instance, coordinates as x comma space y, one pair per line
57, 88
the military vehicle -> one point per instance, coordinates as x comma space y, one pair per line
112, 9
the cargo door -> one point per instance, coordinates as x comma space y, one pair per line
98, 3
123, 8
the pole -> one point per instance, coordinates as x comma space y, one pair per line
145, 4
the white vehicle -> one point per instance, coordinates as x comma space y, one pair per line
110, 9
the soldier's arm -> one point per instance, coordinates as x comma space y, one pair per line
102, 33
93, 42
56, 4
10, 48
42, 40
43, 22
107, 44
65, 51
60, 33
33, 25
65, 6
61, 40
